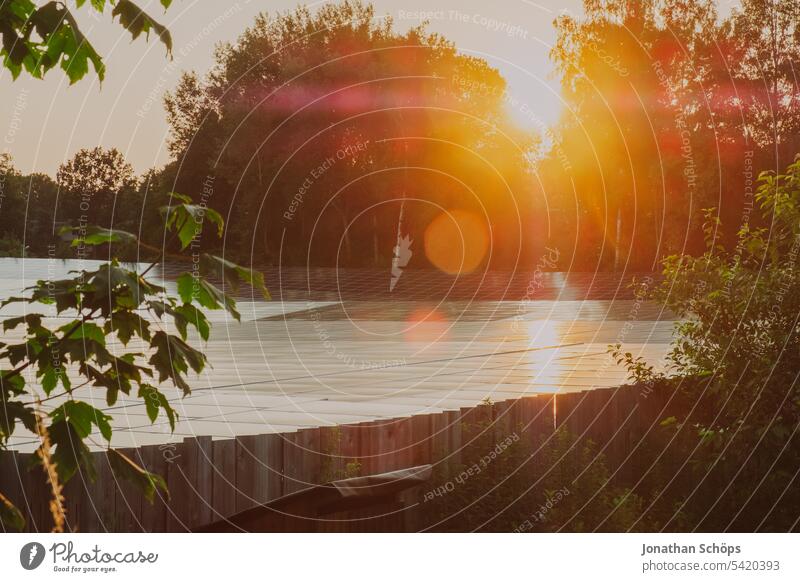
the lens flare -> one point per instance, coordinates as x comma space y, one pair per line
456, 241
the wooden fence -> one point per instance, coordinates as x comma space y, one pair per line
212, 479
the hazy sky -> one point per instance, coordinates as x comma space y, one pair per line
45, 122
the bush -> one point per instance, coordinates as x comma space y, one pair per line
735, 362
509, 482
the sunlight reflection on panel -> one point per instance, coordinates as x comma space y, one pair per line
544, 333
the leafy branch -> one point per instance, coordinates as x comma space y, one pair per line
37, 38
110, 303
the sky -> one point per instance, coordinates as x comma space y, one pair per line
47, 121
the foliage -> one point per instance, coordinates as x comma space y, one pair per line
766, 37
93, 181
739, 309
545, 483
733, 370
92, 172
342, 110
356, 89
96, 188
670, 107
11, 246
37, 38
46, 367
113, 302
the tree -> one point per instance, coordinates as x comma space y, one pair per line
670, 108
6, 164
330, 127
37, 38
765, 35
55, 366
11, 209
28, 213
92, 183
631, 144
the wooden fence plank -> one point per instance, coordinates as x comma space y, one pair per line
331, 461
127, 501
368, 446
247, 466
201, 477
154, 515
301, 459
421, 440
272, 447
223, 489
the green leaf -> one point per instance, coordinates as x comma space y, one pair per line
79, 52
18, 352
155, 400
95, 235
11, 384
55, 47
65, 293
206, 294
98, 5
126, 324
173, 357
50, 375
84, 330
10, 413
117, 287
186, 226
109, 380
187, 219
181, 323
117, 377
70, 452
15, 68
189, 313
22, 9
181, 197
136, 21
182, 315
82, 415
186, 287
233, 274
15, 49
81, 350
47, 19
147, 482
32, 320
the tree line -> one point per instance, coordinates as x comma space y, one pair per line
671, 109
328, 136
